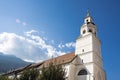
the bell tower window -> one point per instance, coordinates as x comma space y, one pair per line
90, 30
84, 31
82, 72
82, 50
87, 20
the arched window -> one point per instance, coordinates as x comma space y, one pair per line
84, 31
82, 72
87, 20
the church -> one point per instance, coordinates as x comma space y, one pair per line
85, 63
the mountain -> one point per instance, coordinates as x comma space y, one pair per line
10, 62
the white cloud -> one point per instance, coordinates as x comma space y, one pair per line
68, 45
30, 47
61, 46
28, 33
24, 23
21, 22
18, 20
28, 60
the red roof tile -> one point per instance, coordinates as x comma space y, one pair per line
63, 59
60, 59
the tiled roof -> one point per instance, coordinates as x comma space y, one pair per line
63, 59
58, 60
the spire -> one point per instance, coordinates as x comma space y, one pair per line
88, 13
88, 18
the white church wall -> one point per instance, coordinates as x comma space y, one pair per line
87, 57
89, 68
84, 44
83, 77
96, 45
97, 60
99, 73
67, 66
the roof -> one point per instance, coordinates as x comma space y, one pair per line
63, 59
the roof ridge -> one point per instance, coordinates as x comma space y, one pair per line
65, 54
58, 56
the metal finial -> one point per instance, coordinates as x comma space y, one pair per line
88, 13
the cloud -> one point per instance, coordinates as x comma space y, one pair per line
28, 60
24, 23
61, 46
67, 45
29, 33
18, 20
30, 47
70, 44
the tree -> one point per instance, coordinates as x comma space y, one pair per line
4, 78
52, 72
29, 74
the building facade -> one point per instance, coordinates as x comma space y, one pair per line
86, 62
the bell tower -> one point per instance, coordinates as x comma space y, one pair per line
88, 27
89, 52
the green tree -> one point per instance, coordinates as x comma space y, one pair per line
29, 74
52, 72
4, 78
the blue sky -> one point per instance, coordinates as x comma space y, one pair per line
50, 28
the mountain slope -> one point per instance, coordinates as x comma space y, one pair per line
10, 62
